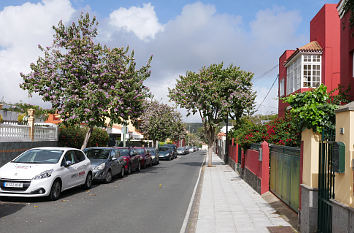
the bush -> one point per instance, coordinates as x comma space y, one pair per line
20, 117
73, 136
281, 131
1, 120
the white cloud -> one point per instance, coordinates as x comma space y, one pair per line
22, 28
140, 20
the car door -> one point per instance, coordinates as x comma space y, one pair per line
69, 174
114, 163
134, 159
81, 167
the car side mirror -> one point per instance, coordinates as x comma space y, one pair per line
113, 158
68, 164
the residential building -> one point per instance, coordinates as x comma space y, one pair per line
346, 49
317, 62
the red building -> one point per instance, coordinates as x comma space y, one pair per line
346, 48
314, 63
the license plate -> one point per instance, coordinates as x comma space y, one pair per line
13, 185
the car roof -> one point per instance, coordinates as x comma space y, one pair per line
55, 148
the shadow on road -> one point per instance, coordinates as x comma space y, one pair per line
193, 164
9, 208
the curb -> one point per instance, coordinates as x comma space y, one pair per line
187, 216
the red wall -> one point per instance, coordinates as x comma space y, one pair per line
282, 75
346, 53
325, 29
252, 162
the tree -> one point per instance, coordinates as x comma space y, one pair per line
86, 81
216, 93
160, 121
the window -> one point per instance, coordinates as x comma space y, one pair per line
79, 156
311, 71
293, 76
281, 87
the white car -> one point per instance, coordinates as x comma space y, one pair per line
45, 171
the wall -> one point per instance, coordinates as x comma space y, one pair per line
282, 75
346, 54
325, 29
310, 158
9, 150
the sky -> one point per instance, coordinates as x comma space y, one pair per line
181, 35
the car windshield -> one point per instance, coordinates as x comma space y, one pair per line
97, 153
164, 149
180, 148
39, 156
124, 152
140, 151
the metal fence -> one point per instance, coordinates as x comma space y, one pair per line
11, 133
285, 174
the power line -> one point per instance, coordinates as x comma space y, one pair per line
267, 72
267, 93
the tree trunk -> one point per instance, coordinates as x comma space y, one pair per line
87, 137
210, 153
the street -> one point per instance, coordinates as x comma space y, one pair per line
154, 200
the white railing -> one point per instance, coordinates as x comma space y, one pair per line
13, 133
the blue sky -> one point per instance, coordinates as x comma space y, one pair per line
182, 35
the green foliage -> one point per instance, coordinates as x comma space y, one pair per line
161, 121
1, 119
281, 131
39, 112
216, 93
85, 81
313, 109
73, 136
20, 117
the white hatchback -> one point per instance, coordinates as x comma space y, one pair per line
45, 171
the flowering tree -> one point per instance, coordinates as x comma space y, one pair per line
216, 93
160, 121
86, 81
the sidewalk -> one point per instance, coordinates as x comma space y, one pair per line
228, 204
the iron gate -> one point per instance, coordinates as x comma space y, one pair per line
239, 151
325, 181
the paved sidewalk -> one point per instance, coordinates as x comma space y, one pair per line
228, 204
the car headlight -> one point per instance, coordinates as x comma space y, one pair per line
100, 167
43, 175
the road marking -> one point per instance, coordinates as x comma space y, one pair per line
186, 217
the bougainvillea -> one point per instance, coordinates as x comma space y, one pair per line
216, 93
160, 121
86, 81
281, 131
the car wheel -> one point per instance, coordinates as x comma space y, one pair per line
122, 173
169, 158
108, 178
139, 167
55, 191
88, 181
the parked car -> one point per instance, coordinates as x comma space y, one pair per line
166, 153
146, 157
154, 155
181, 151
190, 149
131, 158
45, 171
174, 149
105, 163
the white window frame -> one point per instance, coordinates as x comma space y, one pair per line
312, 64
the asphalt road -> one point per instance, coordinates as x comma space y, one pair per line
154, 200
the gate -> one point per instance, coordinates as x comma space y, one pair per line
285, 174
239, 151
325, 181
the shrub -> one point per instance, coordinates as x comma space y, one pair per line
1, 120
73, 136
20, 117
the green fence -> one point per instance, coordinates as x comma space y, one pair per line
285, 174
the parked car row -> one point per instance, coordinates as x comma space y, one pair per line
47, 171
186, 150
